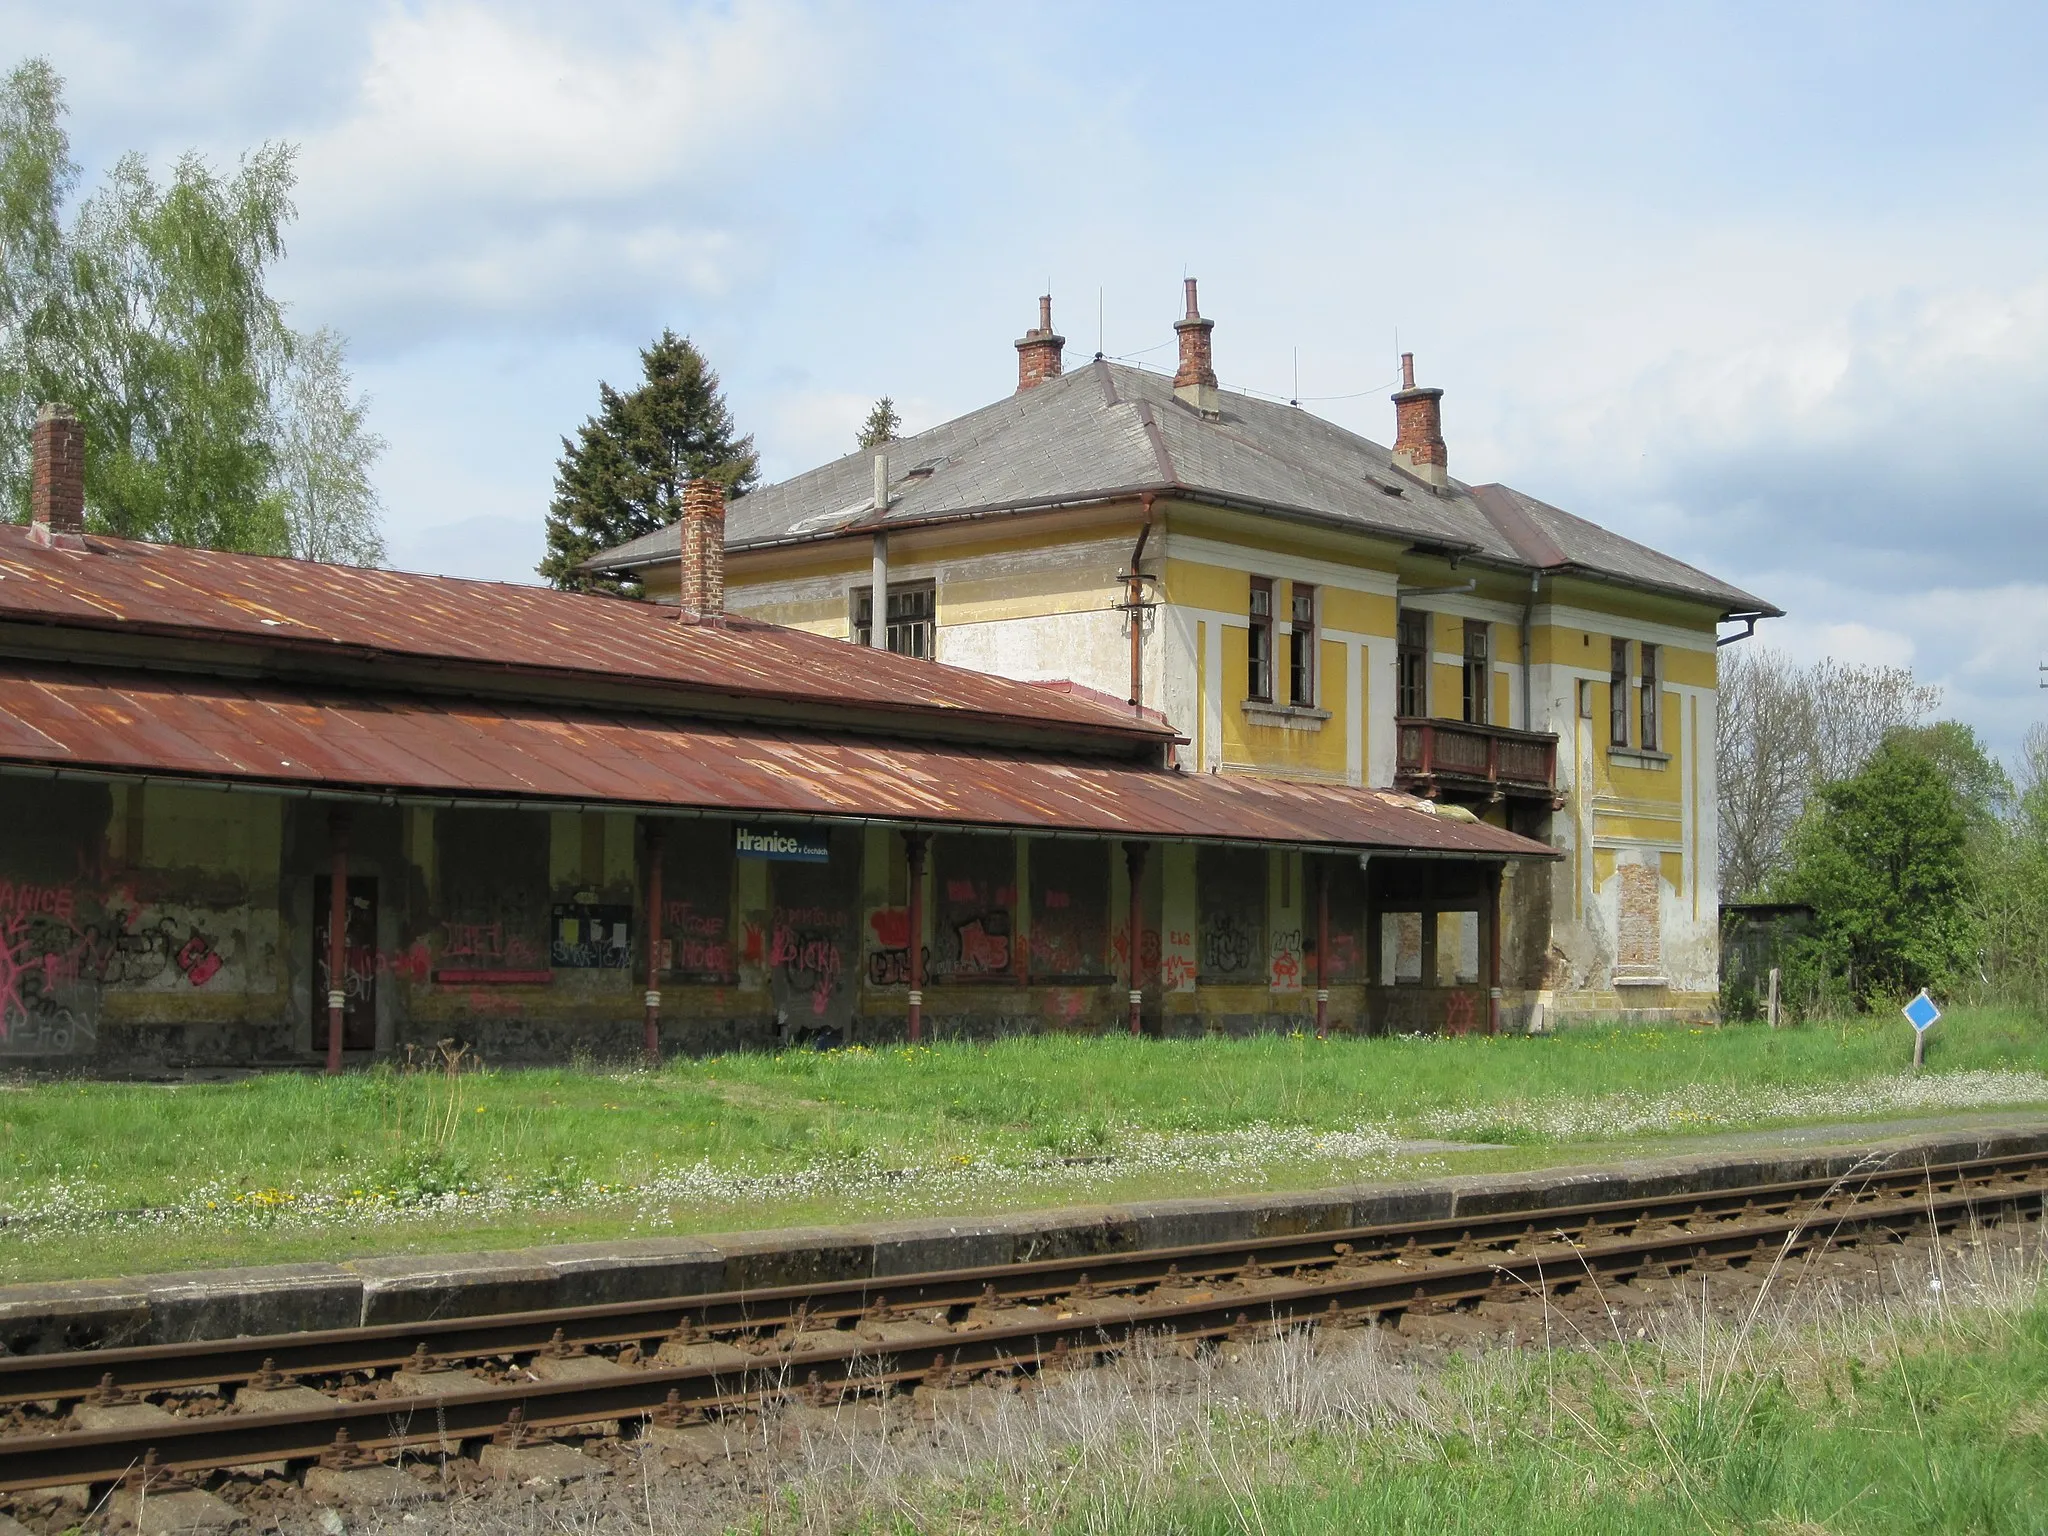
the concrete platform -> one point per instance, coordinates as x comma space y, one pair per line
46, 1317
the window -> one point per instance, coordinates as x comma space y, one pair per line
974, 900
1230, 903
696, 901
912, 610
1259, 646
1412, 663
1477, 672
1070, 910
1617, 702
1649, 697
1301, 646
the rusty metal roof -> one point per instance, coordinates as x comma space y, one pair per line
265, 734
366, 619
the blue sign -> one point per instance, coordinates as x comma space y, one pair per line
1921, 1012
794, 847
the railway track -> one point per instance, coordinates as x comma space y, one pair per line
161, 1415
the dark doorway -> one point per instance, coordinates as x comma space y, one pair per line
359, 980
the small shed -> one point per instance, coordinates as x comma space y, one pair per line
1755, 936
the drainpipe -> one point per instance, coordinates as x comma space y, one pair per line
653, 998
1322, 949
1528, 623
1134, 861
337, 936
1136, 603
914, 847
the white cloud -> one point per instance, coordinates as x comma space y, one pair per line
549, 165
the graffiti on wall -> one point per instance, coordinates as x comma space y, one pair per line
697, 942
1229, 947
805, 955
889, 948
591, 938
1286, 963
1177, 966
63, 944
1428, 1010
489, 946
1148, 952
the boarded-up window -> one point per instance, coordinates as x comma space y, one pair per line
696, 901
974, 902
1069, 910
1347, 961
1231, 891
496, 909
1400, 947
1457, 948
1639, 943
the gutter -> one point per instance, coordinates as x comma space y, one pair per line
322, 794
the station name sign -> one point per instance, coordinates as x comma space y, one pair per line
767, 843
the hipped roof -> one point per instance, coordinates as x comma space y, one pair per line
1108, 430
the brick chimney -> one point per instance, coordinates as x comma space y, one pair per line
1038, 352
703, 537
1195, 380
57, 478
1419, 428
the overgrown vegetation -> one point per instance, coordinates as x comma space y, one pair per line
1923, 1412
1924, 861
449, 1157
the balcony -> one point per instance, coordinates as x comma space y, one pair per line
1447, 759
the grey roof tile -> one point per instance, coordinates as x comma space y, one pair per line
1107, 429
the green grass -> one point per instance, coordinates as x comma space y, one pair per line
297, 1166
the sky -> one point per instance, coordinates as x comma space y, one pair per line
1764, 286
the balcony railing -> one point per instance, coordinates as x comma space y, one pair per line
1449, 757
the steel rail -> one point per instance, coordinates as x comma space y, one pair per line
160, 1367
1354, 1290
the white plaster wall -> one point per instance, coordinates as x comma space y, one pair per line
1092, 649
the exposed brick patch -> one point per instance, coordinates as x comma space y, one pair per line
1639, 943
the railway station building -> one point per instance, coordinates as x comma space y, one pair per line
1302, 606
265, 812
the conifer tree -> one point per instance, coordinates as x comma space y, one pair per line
881, 426
624, 473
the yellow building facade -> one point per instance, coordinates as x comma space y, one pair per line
1308, 605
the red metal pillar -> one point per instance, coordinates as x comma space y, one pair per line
1322, 948
914, 849
337, 935
652, 1026
1134, 861
1493, 883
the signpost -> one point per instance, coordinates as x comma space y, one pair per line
1921, 1014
